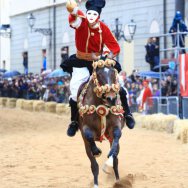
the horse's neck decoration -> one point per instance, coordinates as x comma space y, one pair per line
102, 110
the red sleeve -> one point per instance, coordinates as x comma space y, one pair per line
110, 41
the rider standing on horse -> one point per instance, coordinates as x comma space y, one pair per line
93, 41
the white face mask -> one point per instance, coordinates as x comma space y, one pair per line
92, 16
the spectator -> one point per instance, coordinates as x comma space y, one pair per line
169, 85
1, 87
128, 86
44, 61
66, 89
25, 62
5, 89
172, 65
178, 23
31, 94
52, 93
20, 86
122, 78
65, 56
132, 96
149, 81
60, 93
174, 88
156, 91
149, 54
64, 53
140, 96
140, 88
133, 76
145, 97
155, 45
46, 93
152, 53
164, 88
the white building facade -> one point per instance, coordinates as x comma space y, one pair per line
4, 40
51, 14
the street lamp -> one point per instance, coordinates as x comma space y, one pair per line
31, 22
5, 30
132, 28
119, 33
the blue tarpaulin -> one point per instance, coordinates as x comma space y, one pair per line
10, 74
57, 73
3, 70
149, 74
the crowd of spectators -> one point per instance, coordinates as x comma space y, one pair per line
36, 87
57, 89
134, 86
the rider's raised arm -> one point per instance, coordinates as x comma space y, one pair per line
76, 15
110, 41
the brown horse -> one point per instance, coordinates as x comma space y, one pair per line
101, 114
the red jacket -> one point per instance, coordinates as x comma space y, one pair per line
90, 40
147, 93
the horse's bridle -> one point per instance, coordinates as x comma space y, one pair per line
104, 89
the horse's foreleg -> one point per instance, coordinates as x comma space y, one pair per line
113, 160
94, 164
115, 150
88, 134
115, 166
115, 145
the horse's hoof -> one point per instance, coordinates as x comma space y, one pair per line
108, 166
108, 170
97, 152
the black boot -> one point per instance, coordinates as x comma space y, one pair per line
129, 119
73, 126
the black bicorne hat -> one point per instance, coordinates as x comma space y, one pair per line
96, 5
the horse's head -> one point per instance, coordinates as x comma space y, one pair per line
105, 79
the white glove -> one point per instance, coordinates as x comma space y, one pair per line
75, 11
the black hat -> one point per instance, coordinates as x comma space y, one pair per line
96, 5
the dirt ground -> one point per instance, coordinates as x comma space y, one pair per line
36, 153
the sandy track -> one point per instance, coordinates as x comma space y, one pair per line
36, 153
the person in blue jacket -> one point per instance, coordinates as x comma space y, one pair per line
178, 21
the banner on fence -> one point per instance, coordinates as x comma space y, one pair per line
184, 75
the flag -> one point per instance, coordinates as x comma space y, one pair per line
184, 75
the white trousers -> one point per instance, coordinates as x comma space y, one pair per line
79, 76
